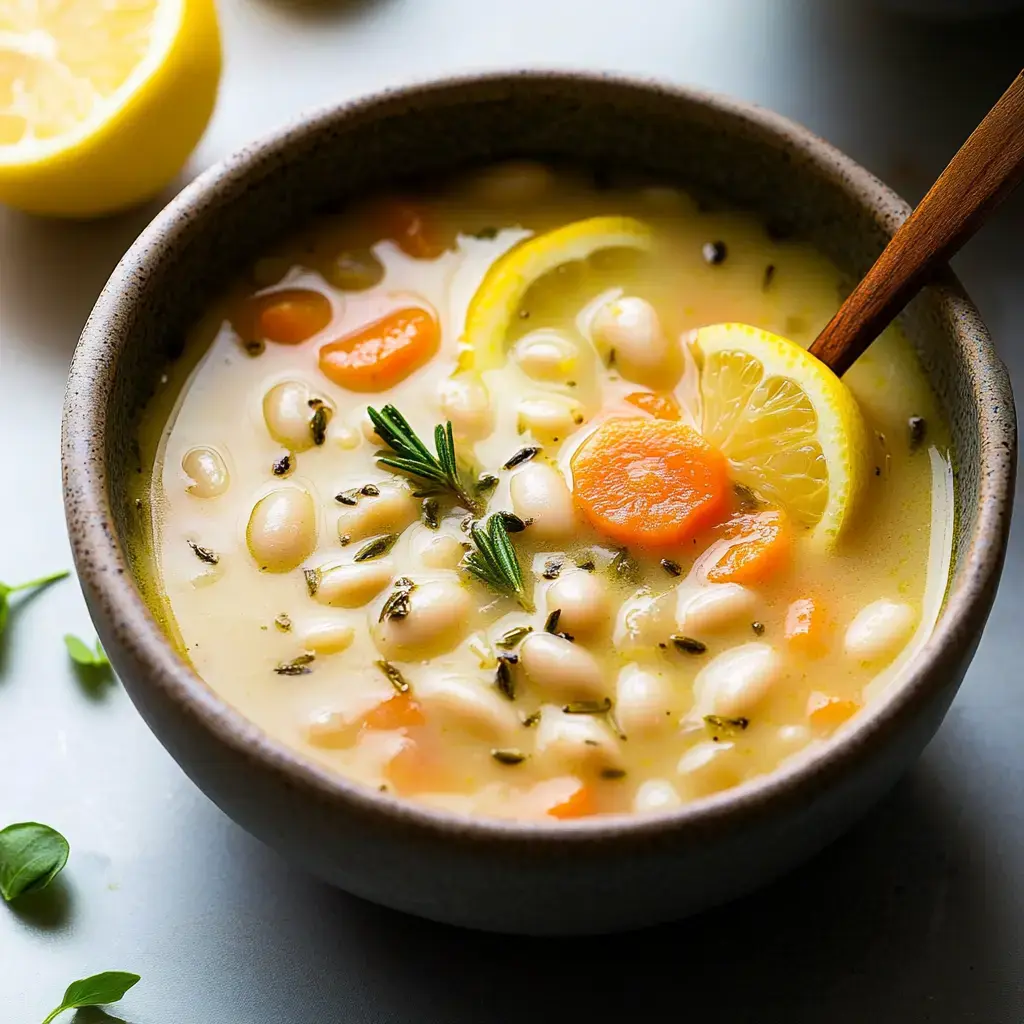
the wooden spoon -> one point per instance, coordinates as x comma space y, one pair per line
984, 171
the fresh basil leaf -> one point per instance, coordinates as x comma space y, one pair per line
81, 653
31, 856
98, 990
6, 590
100, 658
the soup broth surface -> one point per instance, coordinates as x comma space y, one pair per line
323, 594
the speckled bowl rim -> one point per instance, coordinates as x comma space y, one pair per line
107, 579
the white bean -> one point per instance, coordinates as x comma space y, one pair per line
734, 682
442, 552
582, 601
511, 183
655, 796
352, 585
440, 615
539, 492
642, 620
794, 736
206, 469
390, 511
561, 668
575, 741
328, 637
879, 630
643, 354
466, 402
288, 414
707, 767
469, 705
643, 700
704, 608
282, 529
549, 418
547, 355
346, 438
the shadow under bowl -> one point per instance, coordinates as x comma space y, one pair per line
593, 875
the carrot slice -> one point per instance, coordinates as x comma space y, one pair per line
288, 317
417, 768
578, 804
660, 404
397, 712
827, 713
411, 228
650, 482
807, 627
382, 353
761, 545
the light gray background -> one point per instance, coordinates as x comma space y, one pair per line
917, 916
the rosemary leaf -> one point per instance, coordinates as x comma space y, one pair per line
521, 456
504, 679
376, 547
204, 554
551, 622
394, 676
313, 577
514, 636
508, 755
718, 723
399, 602
296, 667
588, 707
494, 562
688, 644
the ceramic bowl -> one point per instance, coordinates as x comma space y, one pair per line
605, 873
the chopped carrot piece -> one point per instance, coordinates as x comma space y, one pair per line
827, 713
660, 404
381, 354
578, 804
650, 482
418, 768
397, 712
807, 627
761, 545
411, 228
288, 317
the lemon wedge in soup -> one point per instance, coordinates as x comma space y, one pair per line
101, 101
789, 427
497, 299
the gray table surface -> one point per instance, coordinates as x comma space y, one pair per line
917, 915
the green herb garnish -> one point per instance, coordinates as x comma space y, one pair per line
376, 547
31, 857
495, 562
318, 421
514, 636
551, 622
394, 676
296, 667
688, 644
552, 567
431, 514
98, 990
508, 755
486, 482
411, 455
82, 654
623, 567
204, 554
283, 622
399, 601
588, 707
671, 567
6, 590
521, 456
504, 679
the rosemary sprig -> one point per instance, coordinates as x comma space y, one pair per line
495, 562
411, 456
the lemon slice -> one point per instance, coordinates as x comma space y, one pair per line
496, 300
789, 427
101, 101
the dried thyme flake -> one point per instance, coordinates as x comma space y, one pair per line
521, 456
504, 679
552, 568
282, 466
530, 720
672, 568
514, 636
688, 644
296, 667
513, 524
283, 622
551, 622
588, 707
376, 547
613, 773
769, 276
349, 497
431, 513
718, 723
486, 482
714, 252
467, 523
623, 567
758, 627
318, 422
587, 565
508, 755
399, 601
917, 428
370, 491
204, 554
394, 677
313, 578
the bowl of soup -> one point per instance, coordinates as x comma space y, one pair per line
453, 493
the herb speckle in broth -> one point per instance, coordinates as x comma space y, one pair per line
688, 644
296, 667
523, 455
394, 676
376, 547
204, 554
508, 755
313, 578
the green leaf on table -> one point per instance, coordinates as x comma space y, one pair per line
82, 654
98, 990
6, 590
31, 856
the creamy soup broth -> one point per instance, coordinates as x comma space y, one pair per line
432, 706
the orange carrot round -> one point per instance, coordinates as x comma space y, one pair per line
807, 627
578, 804
382, 353
650, 482
827, 713
288, 317
662, 405
411, 228
397, 712
761, 545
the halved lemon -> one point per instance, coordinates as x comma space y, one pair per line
496, 300
101, 101
789, 427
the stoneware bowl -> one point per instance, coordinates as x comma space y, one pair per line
593, 875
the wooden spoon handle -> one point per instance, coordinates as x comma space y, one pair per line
983, 172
